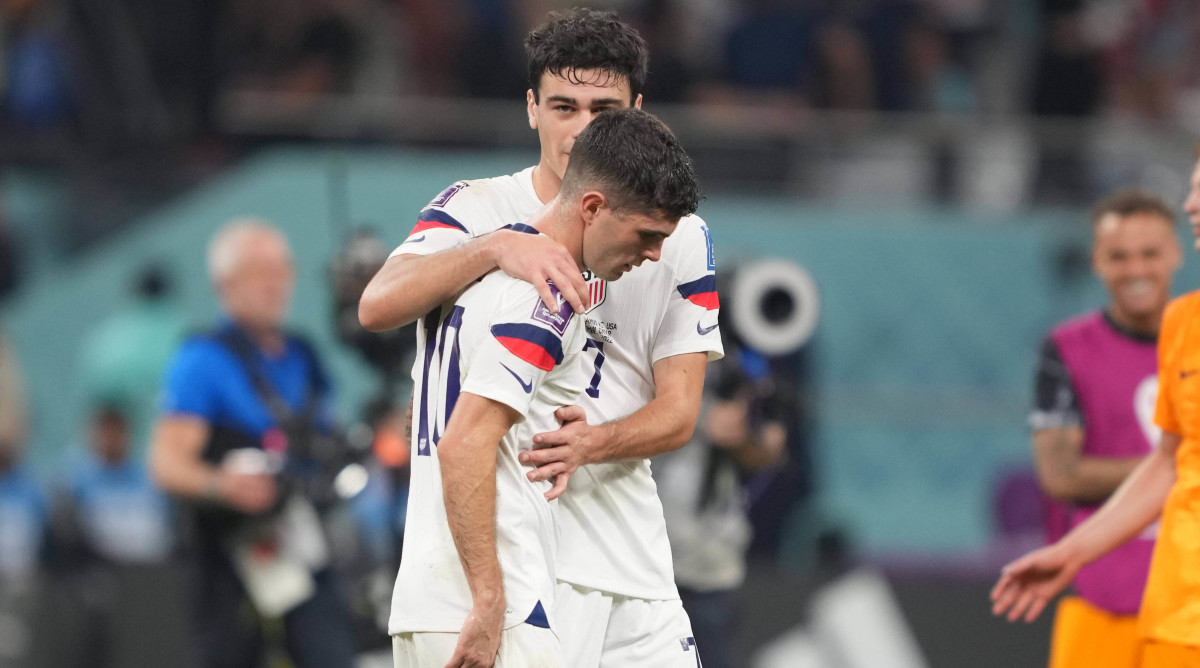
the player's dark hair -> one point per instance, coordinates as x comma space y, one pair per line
635, 160
575, 40
1130, 202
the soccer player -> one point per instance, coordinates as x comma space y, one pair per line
1165, 486
649, 338
1094, 420
477, 571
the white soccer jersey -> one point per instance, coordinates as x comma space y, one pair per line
497, 340
613, 534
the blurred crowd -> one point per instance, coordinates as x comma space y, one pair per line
146, 70
132, 101
95, 551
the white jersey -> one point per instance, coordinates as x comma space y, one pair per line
497, 340
613, 534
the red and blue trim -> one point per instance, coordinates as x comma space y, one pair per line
434, 219
537, 346
702, 292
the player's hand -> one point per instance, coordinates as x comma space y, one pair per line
479, 640
559, 453
536, 258
249, 493
1027, 584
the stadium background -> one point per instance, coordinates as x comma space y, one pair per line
930, 164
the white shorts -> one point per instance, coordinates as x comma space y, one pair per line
601, 630
522, 646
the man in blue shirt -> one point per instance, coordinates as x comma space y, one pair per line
236, 404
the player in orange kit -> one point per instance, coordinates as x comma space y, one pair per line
1166, 485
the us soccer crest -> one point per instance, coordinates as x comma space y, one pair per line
597, 291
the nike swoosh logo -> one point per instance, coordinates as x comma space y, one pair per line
415, 241
528, 387
1186, 374
704, 330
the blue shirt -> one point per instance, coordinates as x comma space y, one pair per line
23, 522
122, 515
207, 380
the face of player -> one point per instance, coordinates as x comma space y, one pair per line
1191, 206
258, 290
563, 109
1135, 257
616, 243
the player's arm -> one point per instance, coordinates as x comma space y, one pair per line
467, 453
662, 425
1067, 474
177, 467
1064, 471
685, 343
1029, 583
409, 285
191, 393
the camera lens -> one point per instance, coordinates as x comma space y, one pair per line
776, 304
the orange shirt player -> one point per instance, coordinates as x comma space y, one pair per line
1166, 486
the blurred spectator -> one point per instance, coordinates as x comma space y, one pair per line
934, 80
308, 48
14, 418
1067, 76
10, 262
109, 524
1067, 83
23, 519
243, 405
35, 77
123, 359
115, 513
742, 430
1151, 54
771, 49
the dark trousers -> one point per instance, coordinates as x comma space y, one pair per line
711, 614
317, 633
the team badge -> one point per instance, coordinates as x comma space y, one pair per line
597, 291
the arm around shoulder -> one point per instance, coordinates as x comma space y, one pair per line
409, 286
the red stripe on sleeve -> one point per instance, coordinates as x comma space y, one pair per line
528, 351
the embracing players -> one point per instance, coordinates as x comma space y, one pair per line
496, 364
649, 338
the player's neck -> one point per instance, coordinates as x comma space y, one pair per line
546, 183
1143, 325
553, 222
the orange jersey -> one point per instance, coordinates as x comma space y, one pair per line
1085, 635
1171, 606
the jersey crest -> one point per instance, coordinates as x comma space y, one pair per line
597, 291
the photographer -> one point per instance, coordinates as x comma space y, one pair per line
742, 430
246, 408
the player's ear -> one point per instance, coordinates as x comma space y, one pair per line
530, 108
591, 205
637, 102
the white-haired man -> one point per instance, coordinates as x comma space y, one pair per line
235, 401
